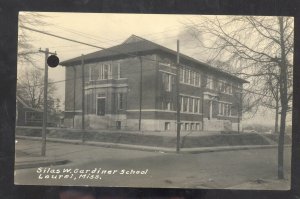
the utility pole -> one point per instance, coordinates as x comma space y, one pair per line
83, 95
178, 100
74, 95
44, 128
141, 92
239, 108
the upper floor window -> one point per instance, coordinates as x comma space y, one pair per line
186, 78
120, 74
197, 79
167, 81
230, 88
225, 87
222, 86
100, 72
181, 75
190, 77
209, 82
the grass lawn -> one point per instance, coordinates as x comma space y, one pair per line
154, 140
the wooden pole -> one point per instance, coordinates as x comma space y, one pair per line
83, 96
43, 152
74, 95
45, 111
141, 93
178, 100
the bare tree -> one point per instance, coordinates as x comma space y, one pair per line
26, 51
259, 49
31, 88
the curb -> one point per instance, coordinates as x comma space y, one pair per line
155, 149
31, 164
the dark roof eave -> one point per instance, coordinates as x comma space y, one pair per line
77, 60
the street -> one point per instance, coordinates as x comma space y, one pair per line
98, 166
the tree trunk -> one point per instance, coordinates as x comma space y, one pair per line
276, 119
277, 110
281, 145
283, 100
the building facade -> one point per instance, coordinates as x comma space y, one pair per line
132, 86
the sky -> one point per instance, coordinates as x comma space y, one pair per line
106, 30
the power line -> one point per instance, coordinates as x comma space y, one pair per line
102, 48
72, 40
115, 40
65, 38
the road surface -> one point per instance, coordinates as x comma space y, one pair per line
106, 167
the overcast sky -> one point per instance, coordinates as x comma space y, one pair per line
106, 30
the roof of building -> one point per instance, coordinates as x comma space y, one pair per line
134, 46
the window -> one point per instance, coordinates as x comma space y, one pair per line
167, 81
197, 126
120, 75
100, 108
189, 77
192, 126
221, 85
185, 104
186, 127
94, 72
199, 84
220, 108
106, 71
191, 104
197, 79
167, 126
120, 101
230, 88
196, 107
192, 78
209, 82
215, 85
186, 76
118, 124
181, 75
100, 72
226, 110
182, 126
167, 104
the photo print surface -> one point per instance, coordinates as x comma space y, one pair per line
147, 100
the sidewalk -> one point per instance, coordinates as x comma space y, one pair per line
29, 157
154, 149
